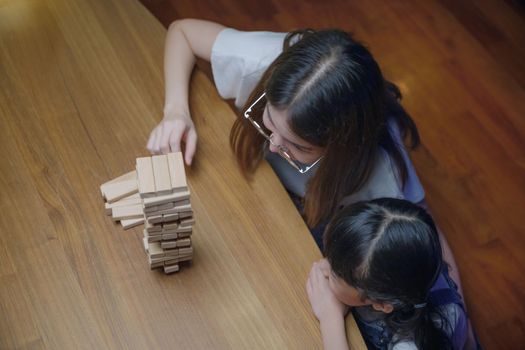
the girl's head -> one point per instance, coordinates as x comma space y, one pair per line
388, 249
386, 253
324, 96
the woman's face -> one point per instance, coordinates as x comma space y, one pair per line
276, 122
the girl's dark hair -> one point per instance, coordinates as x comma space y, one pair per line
336, 97
389, 250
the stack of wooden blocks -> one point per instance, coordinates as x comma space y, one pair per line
156, 194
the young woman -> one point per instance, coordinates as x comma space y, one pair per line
314, 104
384, 259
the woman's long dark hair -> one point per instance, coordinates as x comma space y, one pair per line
336, 98
389, 250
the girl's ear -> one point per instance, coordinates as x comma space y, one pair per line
383, 307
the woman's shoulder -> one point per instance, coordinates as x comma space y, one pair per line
382, 182
239, 58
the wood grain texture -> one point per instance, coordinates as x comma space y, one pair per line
461, 68
80, 90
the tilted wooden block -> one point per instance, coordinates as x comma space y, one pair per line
129, 200
129, 223
146, 179
177, 172
128, 212
119, 190
162, 174
132, 175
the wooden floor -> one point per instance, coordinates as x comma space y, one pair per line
461, 68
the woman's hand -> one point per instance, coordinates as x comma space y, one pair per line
169, 134
324, 303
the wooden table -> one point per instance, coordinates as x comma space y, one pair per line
80, 89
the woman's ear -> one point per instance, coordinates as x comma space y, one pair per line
383, 307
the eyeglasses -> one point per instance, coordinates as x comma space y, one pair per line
282, 150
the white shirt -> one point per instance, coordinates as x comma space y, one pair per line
238, 61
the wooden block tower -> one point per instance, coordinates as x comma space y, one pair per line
156, 194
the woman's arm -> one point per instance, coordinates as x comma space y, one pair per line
186, 40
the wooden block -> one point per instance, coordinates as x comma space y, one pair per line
149, 234
181, 229
172, 210
185, 215
177, 172
146, 179
128, 212
186, 251
161, 212
156, 265
171, 268
171, 253
182, 202
146, 245
154, 219
151, 228
187, 222
132, 175
129, 223
159, 207
174, 197
168, 236
107, 208
171, 261
167, 232
152, 238
169, 226
152, 261
168, 244
185, 242
183, 234
155, 251
132, 199
162, 174
119, 190
183, 208
170, 217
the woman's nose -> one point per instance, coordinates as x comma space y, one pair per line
274, 143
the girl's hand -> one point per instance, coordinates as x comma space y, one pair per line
324, 303
168, 135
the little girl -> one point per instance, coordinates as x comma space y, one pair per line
383, 258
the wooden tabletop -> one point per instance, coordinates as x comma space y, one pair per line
81, 87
